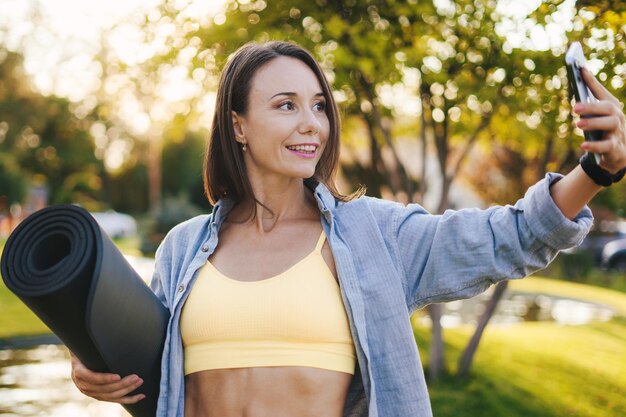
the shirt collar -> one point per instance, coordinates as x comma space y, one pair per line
220, 210
326, 202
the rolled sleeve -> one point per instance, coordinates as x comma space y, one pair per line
547, 222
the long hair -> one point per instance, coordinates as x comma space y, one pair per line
224, 167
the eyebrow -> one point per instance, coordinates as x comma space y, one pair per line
292, 94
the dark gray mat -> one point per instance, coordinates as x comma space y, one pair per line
68, 272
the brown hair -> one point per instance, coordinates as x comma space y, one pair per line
224, 167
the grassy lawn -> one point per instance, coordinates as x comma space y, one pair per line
531, 369
129, 246
535, 369
16, 319
538, 369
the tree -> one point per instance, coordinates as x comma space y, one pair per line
44, 139
601, 25
12, 183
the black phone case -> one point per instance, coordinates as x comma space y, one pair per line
576, 82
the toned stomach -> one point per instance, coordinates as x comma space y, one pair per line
266, 392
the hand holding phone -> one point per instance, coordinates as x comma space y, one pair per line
574, 62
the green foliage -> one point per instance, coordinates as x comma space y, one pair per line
174, 210
12, 183
46, 141
182, 167
599, 26
575, 266
613, 199
128, 189
580, 267
474, 88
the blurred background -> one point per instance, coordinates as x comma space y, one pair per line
449, 104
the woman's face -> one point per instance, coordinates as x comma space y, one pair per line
285, 127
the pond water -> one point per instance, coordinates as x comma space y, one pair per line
516, 307
36, 381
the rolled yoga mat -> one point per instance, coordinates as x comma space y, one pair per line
63, 266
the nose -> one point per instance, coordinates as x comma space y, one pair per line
310, 123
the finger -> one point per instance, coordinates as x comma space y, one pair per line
131, 400
80, 373
599, 108
600, 147
121, 393
114, 391
596, 87
606, 123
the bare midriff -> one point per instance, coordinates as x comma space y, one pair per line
266, 392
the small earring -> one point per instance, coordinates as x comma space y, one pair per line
244, 147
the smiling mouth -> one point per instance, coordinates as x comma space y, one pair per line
305, 151
303, 148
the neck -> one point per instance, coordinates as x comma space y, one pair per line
280, 200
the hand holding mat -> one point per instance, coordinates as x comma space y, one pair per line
61, 264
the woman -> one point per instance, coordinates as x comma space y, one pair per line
303, 307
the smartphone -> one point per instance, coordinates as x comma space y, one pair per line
574, 62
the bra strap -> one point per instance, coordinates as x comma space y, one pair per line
320, 242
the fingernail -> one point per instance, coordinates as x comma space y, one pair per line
581, 123
578, 107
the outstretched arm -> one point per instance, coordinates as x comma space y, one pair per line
576, 189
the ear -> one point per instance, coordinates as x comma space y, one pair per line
238, 127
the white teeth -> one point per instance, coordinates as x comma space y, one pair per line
302, 148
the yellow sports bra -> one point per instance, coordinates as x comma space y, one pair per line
295, 318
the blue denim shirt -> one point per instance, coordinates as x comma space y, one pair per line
391, 259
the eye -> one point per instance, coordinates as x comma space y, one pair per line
319, 106
287, 105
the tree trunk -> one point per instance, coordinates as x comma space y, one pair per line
436, 364
444, 202
465, 362
398, 177
423, 140
546, 157
377, 169
154, 172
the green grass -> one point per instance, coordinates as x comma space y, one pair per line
536, 369
129, 246
16, 319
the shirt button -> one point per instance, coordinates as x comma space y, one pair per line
181, 288
205, 248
